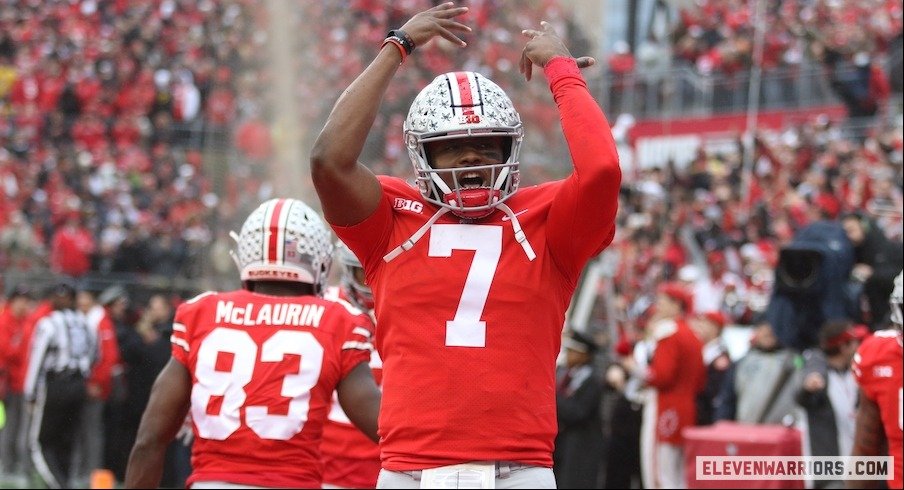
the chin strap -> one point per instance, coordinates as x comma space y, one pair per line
520, 237
407, 244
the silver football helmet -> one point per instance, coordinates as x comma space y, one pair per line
463, 105
284, 240
358, 292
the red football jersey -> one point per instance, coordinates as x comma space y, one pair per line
878, 368
263, 369
350, 459
467, 326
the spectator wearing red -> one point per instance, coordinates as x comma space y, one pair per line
252, 138
89, 132
126, 131
622, 61
51, 85
25, 88
87, 88
15, 333
675, 375
621, 66
220, 108
71, 250
137, 95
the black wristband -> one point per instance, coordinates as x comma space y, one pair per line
403, 38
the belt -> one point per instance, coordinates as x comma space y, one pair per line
503, 469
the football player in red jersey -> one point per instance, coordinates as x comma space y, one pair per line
471, 275
878, 367
257, 367
350, 460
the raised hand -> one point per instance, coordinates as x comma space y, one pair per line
438, 21
543, 46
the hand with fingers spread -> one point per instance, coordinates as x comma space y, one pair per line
438, 21
543, 46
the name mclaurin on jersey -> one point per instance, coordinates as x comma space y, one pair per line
290, 314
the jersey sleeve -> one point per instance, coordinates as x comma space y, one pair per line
185, 323
357, 343
581, 221
369, 238
180, 340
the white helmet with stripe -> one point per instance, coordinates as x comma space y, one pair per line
284, 240
463, 105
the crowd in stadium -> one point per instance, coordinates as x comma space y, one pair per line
718, 36
102, 129
108, 110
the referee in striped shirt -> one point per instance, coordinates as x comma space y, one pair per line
62, 353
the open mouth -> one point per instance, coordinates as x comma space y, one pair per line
471, 180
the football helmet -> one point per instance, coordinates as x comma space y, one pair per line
464, 105
359, 293
284, 240
895, 301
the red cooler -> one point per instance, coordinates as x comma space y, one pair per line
734, 439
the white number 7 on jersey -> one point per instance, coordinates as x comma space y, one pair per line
466, 329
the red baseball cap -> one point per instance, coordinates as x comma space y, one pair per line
679, 294
716, 317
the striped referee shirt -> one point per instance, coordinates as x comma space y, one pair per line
61, 342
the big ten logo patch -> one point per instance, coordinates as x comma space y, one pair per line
469, 119
408, 205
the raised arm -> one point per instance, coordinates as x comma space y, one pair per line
581, 220
349, 191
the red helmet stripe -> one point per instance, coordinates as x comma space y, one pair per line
465, 95
284, 225
275, 238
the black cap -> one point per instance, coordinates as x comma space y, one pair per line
580, 342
